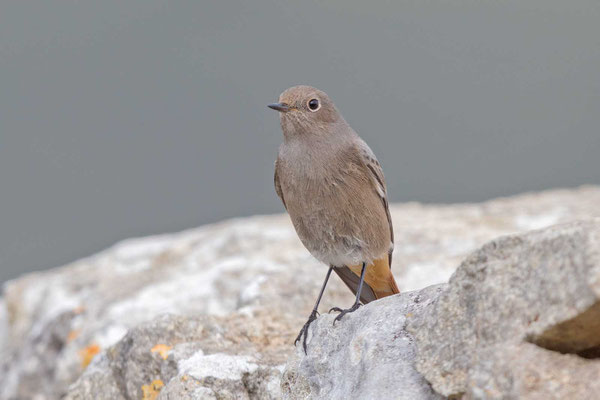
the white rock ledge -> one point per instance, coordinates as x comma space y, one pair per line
240, 288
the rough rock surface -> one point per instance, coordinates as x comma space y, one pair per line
175, 357
248, 283
367, 355
517, 318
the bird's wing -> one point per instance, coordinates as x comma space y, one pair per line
376, 172
277, 185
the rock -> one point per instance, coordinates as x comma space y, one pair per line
517, 319
367, 355
167, 358
3, 327
526, 371
249, 280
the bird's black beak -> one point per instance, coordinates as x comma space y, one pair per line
282, 107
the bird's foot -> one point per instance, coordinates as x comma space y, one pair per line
344, 312
304, 331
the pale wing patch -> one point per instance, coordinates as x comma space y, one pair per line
379, 185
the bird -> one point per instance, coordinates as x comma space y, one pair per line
334, 191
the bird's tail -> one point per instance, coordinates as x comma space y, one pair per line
379, 281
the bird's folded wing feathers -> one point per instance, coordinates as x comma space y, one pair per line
370, 162
278, 185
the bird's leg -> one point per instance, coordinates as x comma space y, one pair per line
356, 302
313, 314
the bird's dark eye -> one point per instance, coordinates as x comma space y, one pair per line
314, 104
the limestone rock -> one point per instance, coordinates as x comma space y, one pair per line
366, 355
178, 358
526, 371
249, 280
510, 312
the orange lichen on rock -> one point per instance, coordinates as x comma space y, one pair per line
162, 349
79, 310
151, 391
88, 353
73, 335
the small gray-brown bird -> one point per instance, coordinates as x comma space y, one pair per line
332, 186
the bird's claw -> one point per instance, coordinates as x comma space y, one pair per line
304, 330
344, 312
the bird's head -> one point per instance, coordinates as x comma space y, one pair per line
305, 109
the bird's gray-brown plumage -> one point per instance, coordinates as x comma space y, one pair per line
334, 191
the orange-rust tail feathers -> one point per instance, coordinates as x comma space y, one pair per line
379, 281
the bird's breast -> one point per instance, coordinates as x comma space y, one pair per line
335, 212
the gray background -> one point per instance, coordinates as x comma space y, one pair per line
126, 118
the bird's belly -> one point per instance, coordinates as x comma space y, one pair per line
338, 229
